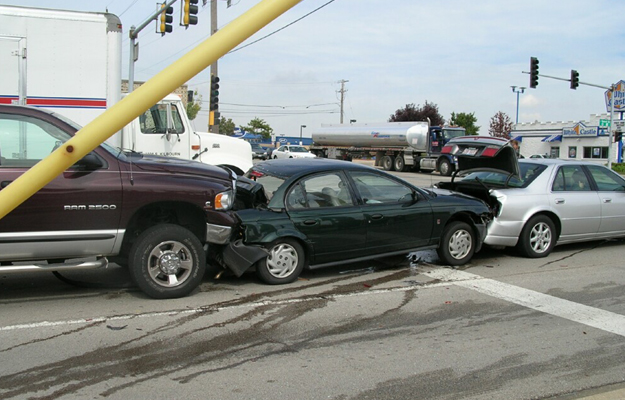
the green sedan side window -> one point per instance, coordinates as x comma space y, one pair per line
319, 191
375, 189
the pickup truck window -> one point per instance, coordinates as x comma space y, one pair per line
154, 120
24, 141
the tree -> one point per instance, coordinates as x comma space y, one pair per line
193, 107
417, 113
465, 120
226, 126
500, 125
259, 127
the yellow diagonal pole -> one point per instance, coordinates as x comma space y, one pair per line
136, 103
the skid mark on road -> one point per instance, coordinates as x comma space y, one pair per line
594, 317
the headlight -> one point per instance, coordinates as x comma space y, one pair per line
224, 200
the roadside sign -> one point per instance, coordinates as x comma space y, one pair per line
619, 125
604, 123
619, 97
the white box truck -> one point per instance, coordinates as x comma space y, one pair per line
70, 62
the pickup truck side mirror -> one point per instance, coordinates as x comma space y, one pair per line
90, 162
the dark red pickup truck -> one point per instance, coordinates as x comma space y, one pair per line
156, 215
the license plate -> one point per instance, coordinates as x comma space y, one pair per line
469, 151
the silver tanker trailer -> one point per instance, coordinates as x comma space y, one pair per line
398, 146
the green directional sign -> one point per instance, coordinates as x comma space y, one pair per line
604, 123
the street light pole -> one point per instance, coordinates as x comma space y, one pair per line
518, 92
300, 133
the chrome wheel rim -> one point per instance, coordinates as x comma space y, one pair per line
282, 260
460, 244
170, 264
444, 168
540, 237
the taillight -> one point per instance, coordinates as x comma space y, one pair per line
489, 152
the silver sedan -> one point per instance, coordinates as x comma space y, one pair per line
552, 202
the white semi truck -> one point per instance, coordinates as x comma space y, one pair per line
399, 146
70, 62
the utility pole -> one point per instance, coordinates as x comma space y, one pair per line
342, 91
213, 128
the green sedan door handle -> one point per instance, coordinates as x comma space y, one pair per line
376, 216
310, 222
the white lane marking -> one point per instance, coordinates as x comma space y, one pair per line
594, 317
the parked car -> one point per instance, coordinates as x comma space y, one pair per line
289, 151
313, 213
152, 214
539, 156
259, 151
539, 203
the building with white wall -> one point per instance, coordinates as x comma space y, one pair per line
581, 140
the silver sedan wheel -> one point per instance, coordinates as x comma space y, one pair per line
282, 260
460, 244
170, 264
540, 237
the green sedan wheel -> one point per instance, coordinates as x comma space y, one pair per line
457, 244
284, 264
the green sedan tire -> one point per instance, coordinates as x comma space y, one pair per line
457, 244
284, 264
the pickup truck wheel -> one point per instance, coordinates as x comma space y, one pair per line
457, 244
387, 163
284, 263
445, 168
167, 261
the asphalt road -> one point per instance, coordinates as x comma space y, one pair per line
501, 327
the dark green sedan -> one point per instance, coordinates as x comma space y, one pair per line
314, 213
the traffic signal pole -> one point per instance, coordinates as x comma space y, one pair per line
214, 126
140, 100
134, 47
611, 89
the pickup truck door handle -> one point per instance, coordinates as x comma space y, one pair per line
4, 184
559, 201
607, 200
310, 222
377, 216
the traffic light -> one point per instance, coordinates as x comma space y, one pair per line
188, 12
214, 94
163, 25
213, 117
618, 135
574, 79
533, 72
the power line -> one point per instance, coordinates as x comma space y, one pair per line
246, 45
247, 83
276, 106
278, 30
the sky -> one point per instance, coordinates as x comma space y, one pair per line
462, 56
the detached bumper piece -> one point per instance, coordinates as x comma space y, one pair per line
239, 257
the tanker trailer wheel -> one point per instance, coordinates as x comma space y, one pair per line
388, 163
400, 164
445, 167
